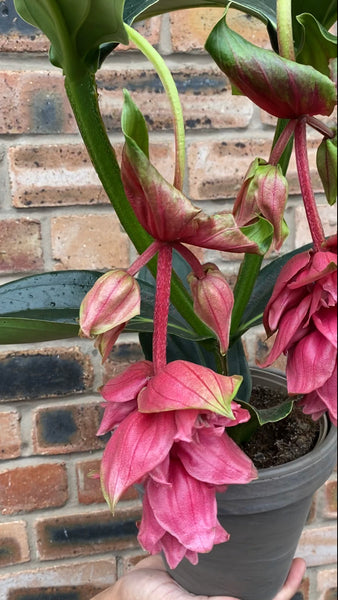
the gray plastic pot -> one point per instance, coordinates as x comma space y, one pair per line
265, 520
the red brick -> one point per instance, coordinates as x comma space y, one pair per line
62, 175
205, 94
121, 357
330, 509
45, 373
20, 246
150, 29
89, 485
89, 242
85, 577
318, 546
10, 441
67, 429
34, 102
13, 544
217, 168
328, 216
25, 489
87, 533
190, 28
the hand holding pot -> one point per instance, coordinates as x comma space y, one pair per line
150, 581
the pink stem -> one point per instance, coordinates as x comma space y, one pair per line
321, 127
144, 258
191, 259
281, 143
303, 170
162, 299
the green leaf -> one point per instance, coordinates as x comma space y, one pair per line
265, 282
14, 330
318, 45
43, 307
282, 87
133, 124
76, 29
261, 232
324, 11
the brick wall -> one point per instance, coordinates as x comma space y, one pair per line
57, 537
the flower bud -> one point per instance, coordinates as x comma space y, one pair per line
263, 192
327, 167
213, 302
113, 300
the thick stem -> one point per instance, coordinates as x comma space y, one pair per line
161, 310
284, 29
304, 177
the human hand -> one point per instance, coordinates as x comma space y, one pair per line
150, 581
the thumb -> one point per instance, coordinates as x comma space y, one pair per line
293, 581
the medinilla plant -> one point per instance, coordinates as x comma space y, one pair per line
177, 413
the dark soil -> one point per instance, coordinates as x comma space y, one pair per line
281, 442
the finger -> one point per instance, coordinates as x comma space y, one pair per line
293, 581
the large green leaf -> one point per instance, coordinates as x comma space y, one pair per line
43, 307
318, 45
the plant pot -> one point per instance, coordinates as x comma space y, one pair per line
265, 520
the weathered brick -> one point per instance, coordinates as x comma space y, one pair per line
89, 486
20, 245
318, 545
89, 242
330, 508
72, 428
60, 581
88, 533
210, 105
304, 590
190, 28
216, 169
121, 357
46, 373
327, 584
14, 547
328, 216
24, 489
128, 562
10, 440
62, 175
34, 102
16, 35
150, 29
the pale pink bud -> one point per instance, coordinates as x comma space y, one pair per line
112, 301
213, 302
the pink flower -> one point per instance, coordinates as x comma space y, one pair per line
213, 302
302, 309
178, 450
112, 301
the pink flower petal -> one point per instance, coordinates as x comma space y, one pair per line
310, 364
184, 385
127, 385
114, 414
326, 322
137, 446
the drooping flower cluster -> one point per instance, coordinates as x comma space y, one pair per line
303, 311
171, 437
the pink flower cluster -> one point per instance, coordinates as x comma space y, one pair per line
170, 437
303, 311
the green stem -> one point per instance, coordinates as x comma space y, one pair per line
246, 279
171, 90
83, 98
284, 29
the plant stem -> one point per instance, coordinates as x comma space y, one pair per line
304, 177
284, 29
171, 90
191, 259
83, 98
319, 126
246, 279
282, 142
161, 310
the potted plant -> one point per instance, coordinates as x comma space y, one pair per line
182, 417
